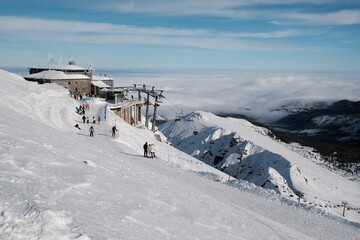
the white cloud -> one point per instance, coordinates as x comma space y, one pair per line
84, 32
255, 94
286, 33
244, 9
207, 7
344, 17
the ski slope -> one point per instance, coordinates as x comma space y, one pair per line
56, 182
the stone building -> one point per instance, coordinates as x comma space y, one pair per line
78, 80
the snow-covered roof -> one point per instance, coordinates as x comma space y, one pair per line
100, 84
60, 67
56, 75
100, 78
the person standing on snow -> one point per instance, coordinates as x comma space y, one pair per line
145, 149
152, 150
92, 130
113, 130
99, 119
84, 118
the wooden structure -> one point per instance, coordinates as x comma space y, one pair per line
129, 111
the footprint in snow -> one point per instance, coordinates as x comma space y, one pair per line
90, 163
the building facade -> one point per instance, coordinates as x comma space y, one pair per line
78, 80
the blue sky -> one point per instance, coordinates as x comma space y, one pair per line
235, 34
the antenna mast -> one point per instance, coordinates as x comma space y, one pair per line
59, 57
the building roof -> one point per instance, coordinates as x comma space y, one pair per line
100, 84
56, 75
62, 67
101, 78
125, 104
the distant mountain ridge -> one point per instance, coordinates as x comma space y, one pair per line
330, 129
333, 130
339, 122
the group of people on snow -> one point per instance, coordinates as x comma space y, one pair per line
87, 120
92, 130
149, 150
81, 109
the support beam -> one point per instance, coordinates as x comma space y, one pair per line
147, 110
154, 116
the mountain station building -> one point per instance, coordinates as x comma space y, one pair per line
78, 80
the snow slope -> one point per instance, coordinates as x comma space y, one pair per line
58, 183
265, 162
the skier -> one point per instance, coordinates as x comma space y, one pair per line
145, 149
92, 130
77, 126
113, 130
99, 119
83, 118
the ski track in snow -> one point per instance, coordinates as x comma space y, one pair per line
58, 183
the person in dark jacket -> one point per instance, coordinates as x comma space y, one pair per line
145, 149
113, 130
92, 130
84, 118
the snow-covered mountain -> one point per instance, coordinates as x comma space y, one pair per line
248, 152
338, 122
56, 182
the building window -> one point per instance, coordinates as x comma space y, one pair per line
69, 83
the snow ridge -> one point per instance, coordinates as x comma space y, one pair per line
245, 151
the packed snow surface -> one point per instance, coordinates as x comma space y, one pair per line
56, 182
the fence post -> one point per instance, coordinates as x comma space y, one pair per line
344, 203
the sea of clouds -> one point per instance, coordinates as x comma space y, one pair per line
258, 95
